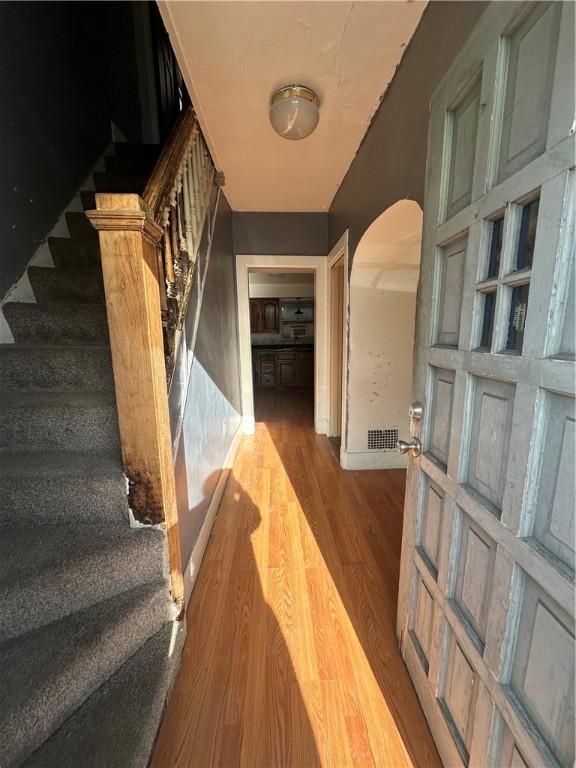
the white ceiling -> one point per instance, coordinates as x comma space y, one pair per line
234, 55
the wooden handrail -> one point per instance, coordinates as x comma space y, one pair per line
148, 248
159, 187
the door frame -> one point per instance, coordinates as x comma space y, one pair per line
338, 253
315, 264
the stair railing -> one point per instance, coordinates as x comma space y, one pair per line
148, 248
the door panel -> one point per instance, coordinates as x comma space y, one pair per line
486, 603
255, 313
531, 58
441, 416
453, 259
270, 313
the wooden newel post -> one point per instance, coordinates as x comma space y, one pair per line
128, 240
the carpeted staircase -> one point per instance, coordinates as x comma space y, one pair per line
89, 644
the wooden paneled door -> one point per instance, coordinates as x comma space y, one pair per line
486, 609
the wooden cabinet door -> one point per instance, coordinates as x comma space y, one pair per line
286, 372
269, 315
486, 601
306, 369
255, 315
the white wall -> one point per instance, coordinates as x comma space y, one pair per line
282, 290
380, 371
286, 286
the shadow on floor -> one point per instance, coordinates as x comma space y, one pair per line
237, 699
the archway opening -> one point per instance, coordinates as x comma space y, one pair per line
383, 287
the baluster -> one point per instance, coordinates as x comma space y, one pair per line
191, 183
198, 181
182, 241
187, 209
160, 256
169, 261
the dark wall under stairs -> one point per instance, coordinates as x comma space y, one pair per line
66, 71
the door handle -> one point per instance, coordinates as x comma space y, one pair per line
414, 447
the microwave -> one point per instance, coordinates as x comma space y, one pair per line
298, 331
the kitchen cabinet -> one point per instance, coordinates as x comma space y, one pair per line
264, 369
283, 368
305, 366
286, 369
264, 315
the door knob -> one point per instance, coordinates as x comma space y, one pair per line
414, 447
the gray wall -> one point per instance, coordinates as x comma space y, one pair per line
66, 71
282, 234
391, 161
212, 407
217, 341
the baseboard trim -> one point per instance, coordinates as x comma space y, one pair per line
248, 425
370, 460
321, 426
195, 560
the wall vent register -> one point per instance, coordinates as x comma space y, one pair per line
382, 439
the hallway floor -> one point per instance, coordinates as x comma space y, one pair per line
291, 657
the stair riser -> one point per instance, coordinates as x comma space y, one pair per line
76, 582
79, 226
66, 285
74, 254
92, 654
88, 198
133, 184
135, 165
57, 324
71, 427
63, 500
55, 369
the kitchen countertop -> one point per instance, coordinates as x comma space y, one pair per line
290, 346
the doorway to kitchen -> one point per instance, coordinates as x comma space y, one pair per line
282, 317
283, 336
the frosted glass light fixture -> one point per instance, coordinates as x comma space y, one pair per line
294, 111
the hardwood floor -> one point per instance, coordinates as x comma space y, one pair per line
291, 657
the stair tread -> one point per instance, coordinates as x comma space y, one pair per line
51, 571
50, 346
91, 269
41, 488
60, 306
41, 399
117, 726
58, 322
81, 464
37, 367
51, 671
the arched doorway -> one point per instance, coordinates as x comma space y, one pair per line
383, 286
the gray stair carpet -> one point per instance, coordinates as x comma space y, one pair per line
89, 641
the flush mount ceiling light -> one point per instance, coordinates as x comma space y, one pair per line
294, 111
